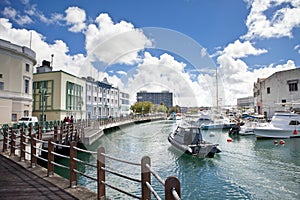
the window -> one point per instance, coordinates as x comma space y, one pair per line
26, 113
27, 68
293, 87
26, 84
13, 117
1, 86
268, 90
283, 101
1, 75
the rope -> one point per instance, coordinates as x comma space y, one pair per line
152, 191
120, 190
155, 175
121, 175
83, 174
120, 160
59, 165
80, 161
85, 151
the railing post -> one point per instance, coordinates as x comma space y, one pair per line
101, 173
73, 154
5, 135
172, 183
50, 157
33, 150
23, 146
146, 177
12, 142
55, 133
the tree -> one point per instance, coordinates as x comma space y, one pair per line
142, 107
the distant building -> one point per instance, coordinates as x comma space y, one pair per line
245, 102
102, 99
57, 94
156, 98
278, 92
16, 71
125, 104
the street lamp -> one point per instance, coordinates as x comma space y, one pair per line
43, 92
80, 103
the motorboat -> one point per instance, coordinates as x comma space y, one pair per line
251, 122
189, 140
218, 122
282, 125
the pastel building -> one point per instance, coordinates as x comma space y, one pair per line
16, 77
57, 94
102, 99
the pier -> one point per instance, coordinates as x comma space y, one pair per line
24, 148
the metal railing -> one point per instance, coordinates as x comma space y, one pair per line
18, 140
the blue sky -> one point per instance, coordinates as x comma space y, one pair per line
173, 45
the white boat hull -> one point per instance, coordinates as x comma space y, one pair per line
275, 133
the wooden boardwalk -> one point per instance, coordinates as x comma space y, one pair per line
16, 182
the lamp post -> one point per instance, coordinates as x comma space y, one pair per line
80, 103
43, 92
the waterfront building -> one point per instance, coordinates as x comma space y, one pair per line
156, 98
125, 104
102, 99
278, 92
16, 75
245, 102
57, 94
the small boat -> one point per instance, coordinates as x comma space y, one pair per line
282, 125
251, 122
218, 122
189, 140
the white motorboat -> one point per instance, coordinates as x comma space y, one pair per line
218, 122
252, 122
189, 140
282, 125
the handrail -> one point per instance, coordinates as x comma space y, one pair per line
28, 138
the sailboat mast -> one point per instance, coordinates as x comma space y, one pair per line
217, 90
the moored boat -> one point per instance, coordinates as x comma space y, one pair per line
282, 125
190, 141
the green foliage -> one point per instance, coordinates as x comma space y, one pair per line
161, 108
142, 107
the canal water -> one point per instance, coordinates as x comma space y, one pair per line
246, 168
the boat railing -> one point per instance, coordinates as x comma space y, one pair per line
29, 147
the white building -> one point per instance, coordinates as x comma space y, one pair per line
125, 104
16, 75
278, 92
102, 99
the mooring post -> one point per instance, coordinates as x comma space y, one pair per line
5, 135
73, 154
50, 157
101, 173
55, 132
12, 142
146, 177
33, 150
23, 146
172, 188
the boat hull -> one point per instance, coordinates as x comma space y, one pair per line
201, 150
276, 133
217, 126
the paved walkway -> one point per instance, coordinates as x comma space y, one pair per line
16, 182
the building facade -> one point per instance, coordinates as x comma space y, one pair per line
245, 102
16, 76
102, 99
156, 98
57, 94
125, 104
278, 92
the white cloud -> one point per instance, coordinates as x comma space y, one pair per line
113, 42
282, 22
11, 13
76, 18
241, 50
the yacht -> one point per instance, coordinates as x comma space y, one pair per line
282, 125
189, 140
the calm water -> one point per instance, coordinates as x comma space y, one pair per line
245, 169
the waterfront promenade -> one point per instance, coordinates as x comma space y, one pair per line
18, 180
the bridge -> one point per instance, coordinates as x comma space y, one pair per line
26, 147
